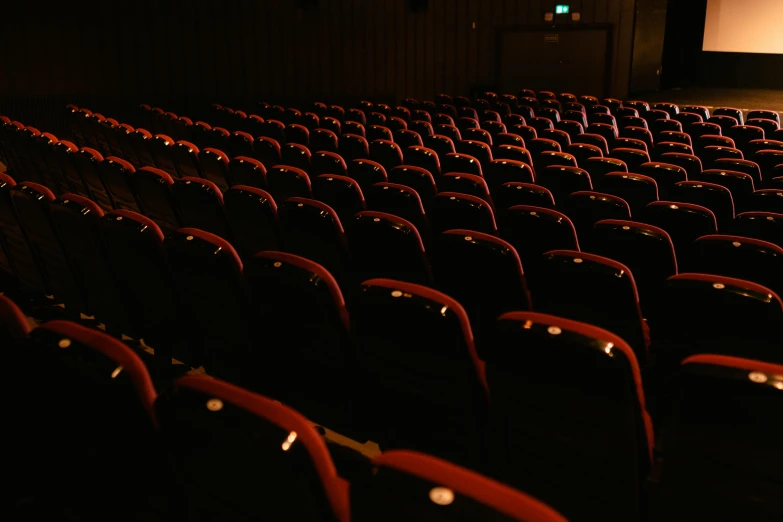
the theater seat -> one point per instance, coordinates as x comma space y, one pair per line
32, 203
387, 246
708, 195
88, 163
484, 273
593, 423
594, 289
134, 251
200, 205
256, 456
646, 250
154, 194
22, 259
742, 258
247, 171
418, 371
252, 214
684, 222
341, 193
98, 395
706, 313
313, 230
213, 306
586, 208
117, 177
533, 231
454, 210
718, 451
417, 178
398, 490
75, 220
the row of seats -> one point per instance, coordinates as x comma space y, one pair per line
192, 290
234, 454
509, 181
66, 238
558, 262
707, 208
257, 457
384, 246
750, 139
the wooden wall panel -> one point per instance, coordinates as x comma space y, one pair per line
239, 50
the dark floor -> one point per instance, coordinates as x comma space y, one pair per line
745, 99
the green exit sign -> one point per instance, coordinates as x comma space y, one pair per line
562, 9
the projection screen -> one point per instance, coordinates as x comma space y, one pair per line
744, 26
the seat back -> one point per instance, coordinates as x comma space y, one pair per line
586, 208
721, 439
32, 203
418, 369
161, 147
742, 258
98, 395
594, 422
75, 220
88, 162
252, 214
313, 230
153, 192
387, 246
200, 205
341, 193
646, 250
117, 176
684, 222
533, 231
134, 251
594, 289
286, 182
237, 433
214, 167
709, 195
22, 259
186, 159
766, 226
452, 210
711, 313
393, 492
212, 300
483, 273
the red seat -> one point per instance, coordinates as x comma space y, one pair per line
200, 205
100, 394
387, 246
252, 214
533, 231
594, 423
313, 230
484, 273
153, 191
706, 313
418, 371
645, 249
452, 210
236, 432
392, 493
704, 449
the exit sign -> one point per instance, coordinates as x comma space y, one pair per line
562, 9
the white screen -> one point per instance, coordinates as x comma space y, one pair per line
744, 26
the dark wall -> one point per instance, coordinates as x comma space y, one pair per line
173, 50
685, 64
